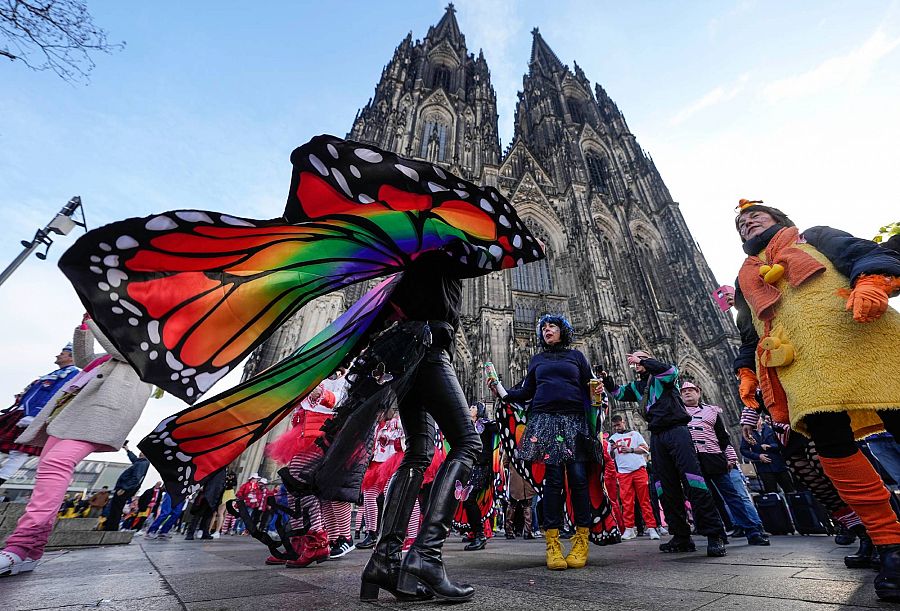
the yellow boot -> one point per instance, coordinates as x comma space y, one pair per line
577, 558
555, 560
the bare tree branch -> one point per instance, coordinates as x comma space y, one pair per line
57, 35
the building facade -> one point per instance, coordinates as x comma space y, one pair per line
89, 476
621, 263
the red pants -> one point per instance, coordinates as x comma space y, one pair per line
631, 484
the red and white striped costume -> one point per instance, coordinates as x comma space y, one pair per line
385, 461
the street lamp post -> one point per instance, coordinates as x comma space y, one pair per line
61, 224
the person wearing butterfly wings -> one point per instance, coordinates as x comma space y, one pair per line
558, 385
188, 294
429, 295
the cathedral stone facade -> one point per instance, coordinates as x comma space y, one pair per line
621, 263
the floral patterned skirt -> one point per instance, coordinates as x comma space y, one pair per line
554, 439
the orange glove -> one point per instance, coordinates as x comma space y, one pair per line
869, 298
749, 384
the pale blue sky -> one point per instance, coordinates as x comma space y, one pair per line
795, 103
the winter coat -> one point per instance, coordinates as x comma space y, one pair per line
99, 499
253, 495
105, 410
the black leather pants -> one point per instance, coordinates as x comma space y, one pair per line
436, 398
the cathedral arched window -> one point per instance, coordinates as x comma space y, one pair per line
441, 78
434, 139
535, 277
598, 171
575, 110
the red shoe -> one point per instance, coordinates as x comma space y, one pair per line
315, 549
273, 561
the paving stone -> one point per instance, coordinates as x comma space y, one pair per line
229, 573
40, 590
809, 590
121, 537
153, 603
746, 603
197, 587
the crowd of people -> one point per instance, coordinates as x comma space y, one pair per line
392, 432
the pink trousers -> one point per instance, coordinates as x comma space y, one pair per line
54, 474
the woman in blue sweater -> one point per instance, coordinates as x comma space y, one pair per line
557, 433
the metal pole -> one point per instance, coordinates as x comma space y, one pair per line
42, 236
18, 261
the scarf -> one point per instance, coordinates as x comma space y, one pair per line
799, 266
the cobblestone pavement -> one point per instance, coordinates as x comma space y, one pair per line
795, 573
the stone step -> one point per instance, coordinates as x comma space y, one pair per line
76, 524
82, 538
71, 532
11, 510
9, 519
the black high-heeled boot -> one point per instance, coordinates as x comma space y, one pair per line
383, 568
862, 559
423, 565
887, 584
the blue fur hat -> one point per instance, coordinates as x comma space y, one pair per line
566, 331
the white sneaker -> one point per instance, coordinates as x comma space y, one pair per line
629, 534
151, 535
215, 535
12, 564
654, 535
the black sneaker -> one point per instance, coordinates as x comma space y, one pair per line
678, 546
341, 547
510, 535
758, 539
715, 547
477, 544
369, 541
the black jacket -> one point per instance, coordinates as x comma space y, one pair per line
133, 476
665, 409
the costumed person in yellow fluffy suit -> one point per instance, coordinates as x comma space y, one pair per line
821, 342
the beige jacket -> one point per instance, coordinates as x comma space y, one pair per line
105, 410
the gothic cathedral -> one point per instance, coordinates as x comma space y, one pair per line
621, 263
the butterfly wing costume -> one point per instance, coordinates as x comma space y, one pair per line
513, 419
186, 295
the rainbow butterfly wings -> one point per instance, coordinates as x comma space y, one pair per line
186, 295
193, 444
